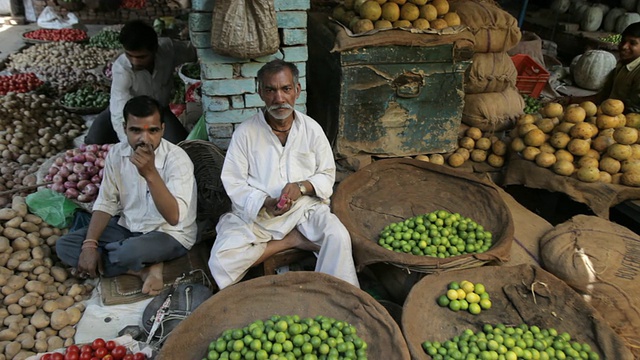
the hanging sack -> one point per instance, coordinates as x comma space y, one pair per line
244, 29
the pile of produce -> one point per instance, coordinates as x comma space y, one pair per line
78, 173
86, 97
72, 35
438, 234
98, 349
466, 296
19, 83
292, 338
41, 304
510, 343
583, 141
106, 39
191, 70
365, 15
613, 38
532, 105
479, 148
594, 16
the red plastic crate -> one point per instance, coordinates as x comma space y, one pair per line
531, 76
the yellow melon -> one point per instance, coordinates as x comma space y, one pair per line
619, 151
402, 24
563, 167
601, 143
526, 119
400, 2
633, 120
626, 135
588, 174
588, 161
452, 19
530, 153
563, 154
439, 24
419, 2
631, 178
390, 11
467, 143
441, 5
578, 147
357, 4
464, 152
545, 124
559, 140
350, 18
371, 10
437, 159
564, 127
612, 107
495, 160
382, 24
518, 145
455, 160
581, 130
428, 12
534, 137
610, 165
409, 12
574, 114
545, 159
421, 24
363, 25
348, 4
606, 121
553, 110
589, 107
546, 147
424, 158
381, 1
499, 147
483, 144
478, 155
338, 13
474, 133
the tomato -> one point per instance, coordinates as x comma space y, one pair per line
57, 356
86, 355
119, 352
108, 357
139, 356
101, 352
73, 348
46, 357
86, 349
110, 345
72, 356
98, 343
128, 357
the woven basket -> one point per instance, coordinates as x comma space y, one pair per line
213, 201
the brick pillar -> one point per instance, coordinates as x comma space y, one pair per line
229, 93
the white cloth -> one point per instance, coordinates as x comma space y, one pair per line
128, 83
123, 188
256, 166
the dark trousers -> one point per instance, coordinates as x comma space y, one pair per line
121, 249
101, 130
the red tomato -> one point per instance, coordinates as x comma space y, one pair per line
73, 348
119, 352
139, 356
108, 357
72, 356
101, 352
110, 345
98, 343
57, 356
86, 349
128, 357
86, 356
46, 357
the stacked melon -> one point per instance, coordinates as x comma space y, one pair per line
590, 143
366, 15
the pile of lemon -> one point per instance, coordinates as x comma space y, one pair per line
466, 296
510, 343
290, 337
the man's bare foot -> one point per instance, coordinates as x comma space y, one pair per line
151, 276
301, 242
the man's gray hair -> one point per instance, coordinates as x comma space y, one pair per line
275, 66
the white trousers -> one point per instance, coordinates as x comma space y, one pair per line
238, 245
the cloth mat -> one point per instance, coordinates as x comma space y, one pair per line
126, 289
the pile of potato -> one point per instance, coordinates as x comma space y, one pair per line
41, 304
591, 143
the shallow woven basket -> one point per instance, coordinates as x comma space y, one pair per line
396, 189
213, 201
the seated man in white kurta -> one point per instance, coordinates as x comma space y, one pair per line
279, 173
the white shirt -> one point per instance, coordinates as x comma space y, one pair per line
123, 188
257, 165
128, 83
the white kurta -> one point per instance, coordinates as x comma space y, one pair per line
256, 166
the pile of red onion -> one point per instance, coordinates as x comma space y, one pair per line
78, 173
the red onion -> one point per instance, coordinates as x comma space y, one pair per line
64, 171
69, 152
92, 170
57, 179
70, 184
82, 184
71, 193
93, 148
96, 179
87, 164
83, 147
78, 168
79, 158
100, 162
84, 198
101, 173
72, 177
48, 178
90, 157
68, 158
59, 187
84, 176
90, 189
59, 161
53, 170
106, 147
77, 152
69, 166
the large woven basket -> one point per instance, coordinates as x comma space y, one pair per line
213, 201
396, 189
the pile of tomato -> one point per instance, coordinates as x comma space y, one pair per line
20, 83
98, 349
57, 35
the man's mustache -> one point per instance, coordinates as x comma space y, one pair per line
277, 107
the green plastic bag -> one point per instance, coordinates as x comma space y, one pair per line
199, 131
52, 207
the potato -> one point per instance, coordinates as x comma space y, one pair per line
46, 232
45, 278
7, 335
26, 340
34, 219
40, 320
14, 309
28, 266
3, 344
50, 306
12, 349
59, 319
29, 310
13, 298
19, 204
50, 332
12, 233
14, 223
4, 259
75, 289
35, 286
35, 239
4, 244
7, 214
16, 282
37, 253
64, 302
54, 342
68, 342
29, 227
41, 345
67, 332
27, 300
74, 314
62, 289
51, 240
59, 273
23, 355
41, 335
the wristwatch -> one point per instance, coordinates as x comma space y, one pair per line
303, 189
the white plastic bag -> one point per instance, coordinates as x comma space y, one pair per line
50, 19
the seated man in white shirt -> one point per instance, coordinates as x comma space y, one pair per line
279, 172
146, 68
145, 212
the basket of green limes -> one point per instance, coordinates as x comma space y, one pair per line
85, 100
423, 217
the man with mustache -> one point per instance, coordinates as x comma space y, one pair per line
146, 67
146, 209
279, 173
623, 83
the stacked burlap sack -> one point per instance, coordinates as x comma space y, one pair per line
492, 101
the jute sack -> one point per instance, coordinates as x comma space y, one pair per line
396, 189
302, 293
494, 111
495, 30
519, 294
490, 72
600, 260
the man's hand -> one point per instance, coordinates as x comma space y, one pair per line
271, 205
144, 160
89, 262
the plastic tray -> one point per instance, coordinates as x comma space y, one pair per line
532, 77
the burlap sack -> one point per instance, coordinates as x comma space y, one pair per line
494, 29
520, 294
600, 260
493, 111
490, 72
530, 44
600, 197
395, 189
303, 293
